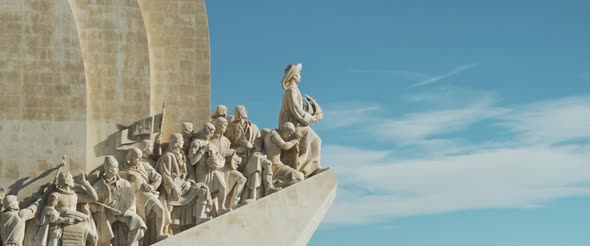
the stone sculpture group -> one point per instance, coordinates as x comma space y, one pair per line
151, 195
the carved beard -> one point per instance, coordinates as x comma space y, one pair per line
176, 147
112, 179
131, 165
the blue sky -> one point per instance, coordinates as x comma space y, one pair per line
446, 123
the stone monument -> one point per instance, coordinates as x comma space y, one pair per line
115, 85
73, 73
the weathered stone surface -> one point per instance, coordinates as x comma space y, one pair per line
288, 217
72, 70
43, 87
178, 37
115, 51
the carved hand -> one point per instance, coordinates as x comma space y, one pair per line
314, 118
147, 187
185, 186
80, 177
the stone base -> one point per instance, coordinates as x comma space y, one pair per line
287, 217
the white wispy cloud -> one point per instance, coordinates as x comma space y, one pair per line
523, 172
498, 178
348, 114
551, 121
418, 78
403, 75
417, 127
437, 78
449, 96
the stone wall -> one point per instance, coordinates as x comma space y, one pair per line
43, 86
71, 71
178, 37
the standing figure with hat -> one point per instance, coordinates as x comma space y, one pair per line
301, 113
13, 220
116, 197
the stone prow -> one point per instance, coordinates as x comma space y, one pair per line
287, 217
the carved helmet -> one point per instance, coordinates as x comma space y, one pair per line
10, 202
110, 163
132, 154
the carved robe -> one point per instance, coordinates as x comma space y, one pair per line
207, 162
12, 225
61, 207
120, 194
274, 144
208, 166
308, 152
239, 134
172, 167
148, 202
234, 179
141, 174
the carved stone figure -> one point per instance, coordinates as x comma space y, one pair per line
60, 217
13, 219
178, 192
116, 200
193, 206
187, 135
2, 195
242, 132
149, 155
293, 109
145, 180
234, 179
219, 111
204, 203
207, 162
86, 196
172, 167
274, 144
